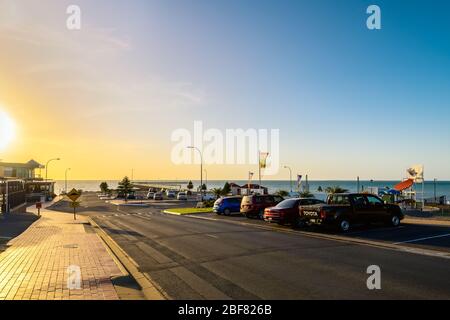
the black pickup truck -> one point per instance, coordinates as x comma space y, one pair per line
345, 210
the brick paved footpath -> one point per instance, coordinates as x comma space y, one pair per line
34, 267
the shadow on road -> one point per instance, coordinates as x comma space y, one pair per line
12, 225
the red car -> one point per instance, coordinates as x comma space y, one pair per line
287, 211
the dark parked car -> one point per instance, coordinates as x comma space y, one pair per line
253, 206
345, 210
227, 205
287, 211
158, 196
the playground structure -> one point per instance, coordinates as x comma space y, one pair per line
409, 193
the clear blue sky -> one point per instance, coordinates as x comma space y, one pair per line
348, 101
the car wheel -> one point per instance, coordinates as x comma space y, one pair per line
248, 216
395, 220
344, 225
299, 223
227, 212
261, 215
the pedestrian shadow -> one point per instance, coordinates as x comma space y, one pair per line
127, 288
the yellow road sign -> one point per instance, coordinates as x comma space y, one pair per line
74, 204
74, 195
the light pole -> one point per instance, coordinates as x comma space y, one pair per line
206, 178
201, 169
65, 180
434, 185
46, 167
290, 175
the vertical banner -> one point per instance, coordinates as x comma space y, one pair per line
299, 181
263, 160
250, 176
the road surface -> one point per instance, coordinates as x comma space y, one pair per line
208, 257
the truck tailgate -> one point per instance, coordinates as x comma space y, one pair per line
310, 212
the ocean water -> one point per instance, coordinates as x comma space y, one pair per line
442, 187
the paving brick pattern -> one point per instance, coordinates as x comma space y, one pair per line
35, 265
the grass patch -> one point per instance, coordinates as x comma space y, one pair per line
183, 211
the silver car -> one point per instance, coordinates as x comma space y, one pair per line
182, 196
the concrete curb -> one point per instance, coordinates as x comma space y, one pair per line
182, 214
149, 289
427, 222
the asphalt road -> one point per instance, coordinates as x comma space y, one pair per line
209, 257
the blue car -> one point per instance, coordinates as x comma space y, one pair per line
227, 205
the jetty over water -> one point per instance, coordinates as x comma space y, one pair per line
160, 186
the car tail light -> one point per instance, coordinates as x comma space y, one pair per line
323, 214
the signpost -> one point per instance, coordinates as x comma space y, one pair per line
74, 195
39, 207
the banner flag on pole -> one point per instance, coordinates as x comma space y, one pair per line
263, 160
299, 180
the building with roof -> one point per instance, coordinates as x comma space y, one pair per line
246, 189
26, 171
21, 183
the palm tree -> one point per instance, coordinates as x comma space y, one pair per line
125, 187
282, 193
104, 188
335, 189
306, 194
218, 192
319, 189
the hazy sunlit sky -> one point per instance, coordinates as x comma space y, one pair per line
348, 101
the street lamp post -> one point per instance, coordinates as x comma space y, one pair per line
201, 169
434, 185
206, 178
46, 167
46, 174
290, 175
65, 180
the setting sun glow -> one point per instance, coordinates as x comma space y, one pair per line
6, 130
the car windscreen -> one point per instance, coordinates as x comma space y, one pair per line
247, 200
338, 199
287, 204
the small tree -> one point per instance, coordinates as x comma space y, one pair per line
335, 189
217, 192
190, 186
282, 193
226, 189
306, 194
125, 187
204, 188
104, 188
319, 189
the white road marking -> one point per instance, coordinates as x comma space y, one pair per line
426, 238
212, 236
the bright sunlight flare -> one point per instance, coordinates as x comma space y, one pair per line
6, 130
